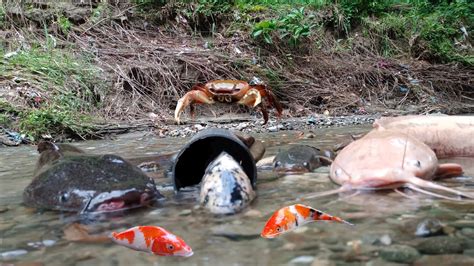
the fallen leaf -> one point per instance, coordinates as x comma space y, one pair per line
80, 233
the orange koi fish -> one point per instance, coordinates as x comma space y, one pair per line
290, 217
153, 239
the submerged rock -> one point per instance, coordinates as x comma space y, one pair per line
441, 245
429, 227
88, 183
400, 254
454, 259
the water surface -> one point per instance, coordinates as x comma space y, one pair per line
383, 219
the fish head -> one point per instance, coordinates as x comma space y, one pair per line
299, 159
225, 188
90, 184
171, 245
280, 222
364, 164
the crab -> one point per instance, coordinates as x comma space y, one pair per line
228, 91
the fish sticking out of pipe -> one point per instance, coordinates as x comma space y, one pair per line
225, 188
67, 179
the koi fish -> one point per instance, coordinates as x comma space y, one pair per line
289, 218
225, 188
153, 239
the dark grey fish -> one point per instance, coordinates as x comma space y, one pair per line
301, 158
90, 183
225, 188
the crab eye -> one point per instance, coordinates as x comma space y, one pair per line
169, 246
279, 229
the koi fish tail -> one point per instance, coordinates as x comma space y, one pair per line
319, 215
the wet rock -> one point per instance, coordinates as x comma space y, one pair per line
452, 259
302, 260
462, 223
441, 245
429, 227
469, 232
322, 262
468, 252
381, 262
8, 255
371, 239
273, 129
400, 254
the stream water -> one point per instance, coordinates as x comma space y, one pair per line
385, 221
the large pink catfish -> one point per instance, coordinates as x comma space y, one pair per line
385, 159
448, 136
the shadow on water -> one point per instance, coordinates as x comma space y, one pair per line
382, 219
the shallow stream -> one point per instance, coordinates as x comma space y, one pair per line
385, 221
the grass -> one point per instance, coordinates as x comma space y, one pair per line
70, 85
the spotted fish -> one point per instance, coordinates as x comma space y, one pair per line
225, 188
289, 218
153, 239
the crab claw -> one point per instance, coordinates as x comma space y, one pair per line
190, 98
251, 99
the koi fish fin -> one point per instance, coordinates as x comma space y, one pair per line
420, 183
448, 170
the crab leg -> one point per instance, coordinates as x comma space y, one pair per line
194, 96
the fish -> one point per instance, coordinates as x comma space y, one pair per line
291, 217
446, 135
152, 239
386, 159
301, 159
86, 183
225, 188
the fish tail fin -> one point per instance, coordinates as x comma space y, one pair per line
318, 215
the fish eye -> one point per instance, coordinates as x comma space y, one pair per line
277, 163
64, 197
305, 164
279, 229
169, 246
418, 164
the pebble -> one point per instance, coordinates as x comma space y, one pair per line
429, 227
400, 254
462, 224
8, 255
451, 259
441, 245
302, 260
253, 213
256, 126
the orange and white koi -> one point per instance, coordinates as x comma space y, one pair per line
153, 239
289, 218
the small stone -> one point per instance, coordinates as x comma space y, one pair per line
469, 232
385, 240
462, 224
302, 260
280, 127
441, 245
322, 262
273, 129
48, 242
198, 127
429, 227
451, 259
253, 213
400, 254
8, 255
185, 212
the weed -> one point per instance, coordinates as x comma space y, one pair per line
64, 24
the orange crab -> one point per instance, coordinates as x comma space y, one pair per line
228, 91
